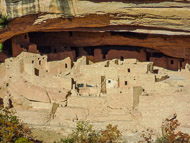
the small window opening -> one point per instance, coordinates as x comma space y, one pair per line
10, 103
129, 70
122, 58
80, 85
87, 85
40, 62
70, 34
125, 82
109, 81
104, 56
32, 61
65, 65
36, 72
172, 62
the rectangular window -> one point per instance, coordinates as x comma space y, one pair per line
36, 72
87, 85
125, 82
80, 85
129, 70
172, 62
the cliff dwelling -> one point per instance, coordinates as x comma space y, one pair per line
119, 62
100, 46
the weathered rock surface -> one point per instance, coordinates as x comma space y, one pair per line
152, 17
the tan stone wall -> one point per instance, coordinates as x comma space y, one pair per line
94, 104
2, 70
35, 61
60, 67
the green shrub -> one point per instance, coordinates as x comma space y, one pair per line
1, 47
4, 20
84, 133
162, 139
11, 130
23, 140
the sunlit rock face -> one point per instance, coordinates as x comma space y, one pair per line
18, 8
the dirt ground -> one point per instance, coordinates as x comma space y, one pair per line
46, 136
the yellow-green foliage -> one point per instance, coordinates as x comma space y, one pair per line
1, 47
11, 130
23, 140
84, 133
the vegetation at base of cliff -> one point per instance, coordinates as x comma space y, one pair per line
1, 47
169, 133
84, 133
12, 131
4, 20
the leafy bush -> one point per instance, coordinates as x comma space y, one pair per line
162, 139
1, 47
23, 140
147, 136
111, 134
13, 131
4, 20
84, 133
169, 133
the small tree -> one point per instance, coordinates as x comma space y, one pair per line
84, 133
169, 134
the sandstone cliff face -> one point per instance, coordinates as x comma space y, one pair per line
171, 15
160, 14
